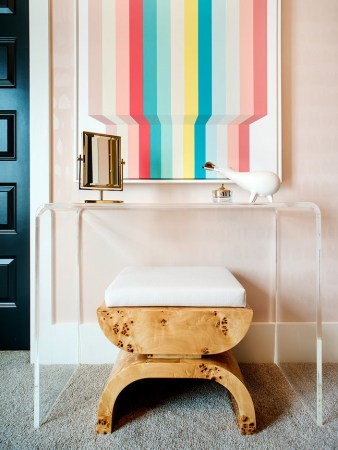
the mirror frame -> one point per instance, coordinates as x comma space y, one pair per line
115, 163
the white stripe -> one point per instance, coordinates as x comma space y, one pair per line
177, 149
211, 147
232, 58
222, 147
108, 58
264, 153
218, 57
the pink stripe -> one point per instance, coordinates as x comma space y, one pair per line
246, 58
94, 57
260, 63
243, 148
260, 57
136, 84
239, 147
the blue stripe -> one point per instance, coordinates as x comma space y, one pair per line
204, 83
155, 149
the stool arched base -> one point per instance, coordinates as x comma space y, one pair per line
222, 368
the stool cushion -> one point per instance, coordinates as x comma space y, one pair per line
175, 286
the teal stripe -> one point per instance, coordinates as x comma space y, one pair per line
167, 151
149, 57
150, 87
164, 84
155, 149
204, 83
232, 54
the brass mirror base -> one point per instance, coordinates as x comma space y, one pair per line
103, 201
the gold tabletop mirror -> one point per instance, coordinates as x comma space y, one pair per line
101, 165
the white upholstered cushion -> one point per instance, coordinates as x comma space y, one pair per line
175, 286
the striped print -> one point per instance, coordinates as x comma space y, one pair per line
183, 78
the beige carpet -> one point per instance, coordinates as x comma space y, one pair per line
163, 414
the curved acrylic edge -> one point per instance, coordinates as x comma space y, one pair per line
162, 206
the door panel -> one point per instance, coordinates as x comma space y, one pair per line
7, 62
7, 6
14, 175
7, 135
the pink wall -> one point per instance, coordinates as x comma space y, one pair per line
309, 123
63, 95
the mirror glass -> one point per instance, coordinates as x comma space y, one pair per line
102, 166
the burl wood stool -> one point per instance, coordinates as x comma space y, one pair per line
183, 339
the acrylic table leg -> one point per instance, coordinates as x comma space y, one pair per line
39, 213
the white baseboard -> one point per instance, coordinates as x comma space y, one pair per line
297, 343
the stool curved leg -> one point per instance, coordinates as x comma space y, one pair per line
222, 368
120, 377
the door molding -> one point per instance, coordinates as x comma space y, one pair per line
40, 127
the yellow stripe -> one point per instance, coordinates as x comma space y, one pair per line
190, 83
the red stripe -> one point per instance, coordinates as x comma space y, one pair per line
136, 84
144, 145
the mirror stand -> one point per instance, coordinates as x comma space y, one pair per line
102, 200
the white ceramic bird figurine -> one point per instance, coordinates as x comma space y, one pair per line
258, 183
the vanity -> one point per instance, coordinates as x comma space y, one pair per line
79, 247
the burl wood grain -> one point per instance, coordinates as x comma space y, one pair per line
174, 330
168, 342
222, 368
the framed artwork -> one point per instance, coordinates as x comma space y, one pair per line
182, 82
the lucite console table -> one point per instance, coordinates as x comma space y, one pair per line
274, 249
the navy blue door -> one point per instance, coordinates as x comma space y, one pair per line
14, 175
